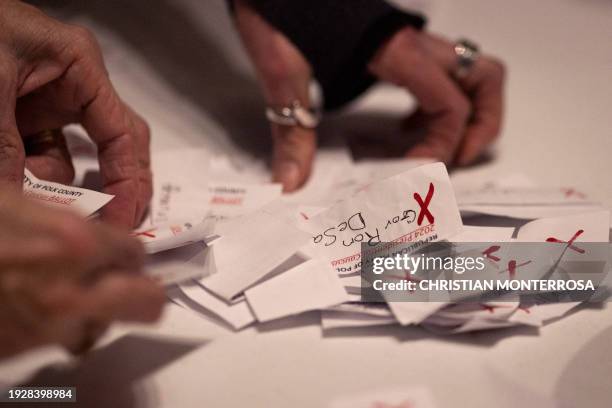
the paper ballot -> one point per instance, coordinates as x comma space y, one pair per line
86, 202
177, 265
313, 285
229, 200
173, 235
586, 227
251, 249
418, 205
238, 315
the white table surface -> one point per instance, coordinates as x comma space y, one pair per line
185, 71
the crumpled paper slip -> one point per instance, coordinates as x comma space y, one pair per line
516, 196
418, 205
522, 196
174, 235
538, 315
408, 313
252, 248
312, 285
177, 265
237, 314
85, 202
592, 227
528, 212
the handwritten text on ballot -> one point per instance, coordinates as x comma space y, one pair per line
417, 205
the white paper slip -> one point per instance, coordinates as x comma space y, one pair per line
229, 200
528, 212
418, 205
330, 165
174, 235
538, 315
470, 326
86, 202
380, 169
254, 246
180, 190
408, 313
175, 200
177, 265
313, 285
238, 314
399, 397
521, 196
585, 227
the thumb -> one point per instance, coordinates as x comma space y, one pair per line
294, 151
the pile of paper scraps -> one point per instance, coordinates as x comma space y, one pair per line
232, 247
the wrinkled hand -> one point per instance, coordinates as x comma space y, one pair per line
285, 77
462, 117
63, 280
51, 75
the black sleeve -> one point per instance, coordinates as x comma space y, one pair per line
338, 37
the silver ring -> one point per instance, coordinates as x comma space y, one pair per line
467, 54
294, 115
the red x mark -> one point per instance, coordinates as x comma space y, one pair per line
491, 308
512, 266
147, 233
570, 192
489, 251
424, 204
570, 242
407, 277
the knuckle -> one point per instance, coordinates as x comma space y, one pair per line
407, 37
459, 107
11, 149
84, 40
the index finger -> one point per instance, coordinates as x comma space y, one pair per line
12, 154
484, 85
113, 127
486, 90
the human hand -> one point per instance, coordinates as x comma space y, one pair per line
285, 77
51, 75
63, 279
461, 116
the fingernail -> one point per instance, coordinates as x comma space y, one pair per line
289, 175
